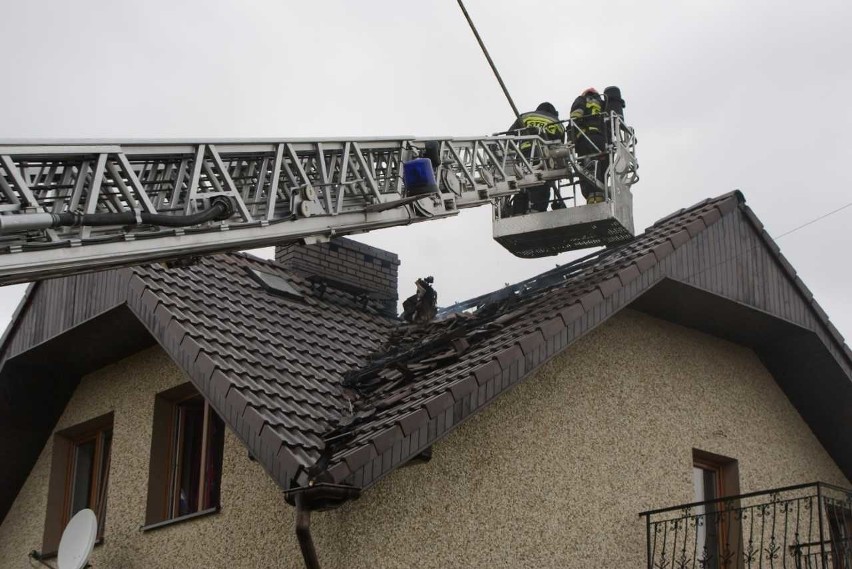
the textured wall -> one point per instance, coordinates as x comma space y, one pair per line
253, 528
555, 472
552, 475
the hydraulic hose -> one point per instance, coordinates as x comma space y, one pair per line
220, 209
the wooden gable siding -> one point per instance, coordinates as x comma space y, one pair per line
57, 305
732, 259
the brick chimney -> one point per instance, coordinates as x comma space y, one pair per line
346, 265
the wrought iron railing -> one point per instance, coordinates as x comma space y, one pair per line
808, 526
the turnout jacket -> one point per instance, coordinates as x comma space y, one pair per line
587, 112
539, 122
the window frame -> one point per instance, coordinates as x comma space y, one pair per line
62, 480
727, 478
163, 506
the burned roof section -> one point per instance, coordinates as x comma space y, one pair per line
426, 380
331, 388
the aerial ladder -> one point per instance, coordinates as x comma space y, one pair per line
78, 206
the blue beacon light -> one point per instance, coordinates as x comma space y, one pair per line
419, 177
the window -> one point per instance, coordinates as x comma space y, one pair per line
186, 457
714, 477
839, 517
274, 284
79, 477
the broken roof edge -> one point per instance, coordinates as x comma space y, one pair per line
420, 428
515, 363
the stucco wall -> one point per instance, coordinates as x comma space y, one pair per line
253, 527
555, 472
552, 475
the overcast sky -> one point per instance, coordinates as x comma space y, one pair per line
723, 95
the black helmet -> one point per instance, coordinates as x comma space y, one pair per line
548, 108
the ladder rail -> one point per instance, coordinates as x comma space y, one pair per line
281, 190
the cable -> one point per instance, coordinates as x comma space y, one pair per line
490, 61
795, 229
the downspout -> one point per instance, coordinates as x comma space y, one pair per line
315, 497
303, 533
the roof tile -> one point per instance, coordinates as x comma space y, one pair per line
219, 385
645, 262
529, 344
590, 300
629, 274
785, 264
173, 337
551, 327
254, 419
662, 250
189, 348
838, 337
439, 403
680, 238
487, 371
770, 242
385, 439
571, 313
729, 204
205, 365
413, 421
609, 287
695, 227
236, 401
711, 217
338, 473
135, 287
818, 309
508, 356
358, 457
271, 441
287, 461
463, 387
758, 225
804, 289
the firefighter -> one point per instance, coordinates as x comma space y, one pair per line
422, 306
543, 121
587, 113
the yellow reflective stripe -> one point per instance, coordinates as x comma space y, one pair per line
547, 124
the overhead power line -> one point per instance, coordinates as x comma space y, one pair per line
811, 222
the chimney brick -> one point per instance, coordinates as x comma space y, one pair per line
348, 262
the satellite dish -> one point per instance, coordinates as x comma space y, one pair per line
77, 541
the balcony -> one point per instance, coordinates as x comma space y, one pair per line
808, 526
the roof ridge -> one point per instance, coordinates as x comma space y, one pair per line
736, 193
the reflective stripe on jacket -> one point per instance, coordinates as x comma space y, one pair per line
587, 113
549, 126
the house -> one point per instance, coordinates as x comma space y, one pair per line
249, 413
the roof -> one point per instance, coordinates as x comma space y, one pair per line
325, 390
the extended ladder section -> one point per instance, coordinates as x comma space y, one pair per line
82, 206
